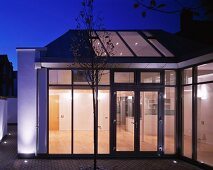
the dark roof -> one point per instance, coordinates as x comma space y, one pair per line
182, 48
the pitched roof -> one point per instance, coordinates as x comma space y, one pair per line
181, 48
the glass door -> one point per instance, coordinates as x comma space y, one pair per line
149, 120
136, 121
124, 121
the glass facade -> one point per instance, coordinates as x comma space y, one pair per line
197, 113
69, 89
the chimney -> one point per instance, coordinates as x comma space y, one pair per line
186, 21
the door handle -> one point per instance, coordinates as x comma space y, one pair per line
135, 123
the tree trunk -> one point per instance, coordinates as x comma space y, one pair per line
95, 114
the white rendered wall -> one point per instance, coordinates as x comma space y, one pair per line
12, 110
26, 102
3, 118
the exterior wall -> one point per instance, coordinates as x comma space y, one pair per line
42, 108
3, 118
26, 102
12, 110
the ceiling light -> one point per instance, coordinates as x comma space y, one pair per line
117, 43
98, 43
136, 43
25, 161
5, 142
121, 53
9, 134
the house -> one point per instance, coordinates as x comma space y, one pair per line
196, 30
155, 102
8, 92
6, 77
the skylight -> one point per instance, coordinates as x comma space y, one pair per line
120, 48
139, 45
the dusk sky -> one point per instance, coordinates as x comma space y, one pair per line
35, 23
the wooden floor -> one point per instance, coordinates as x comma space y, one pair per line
60, 143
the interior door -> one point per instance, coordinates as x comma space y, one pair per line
124, 121
54, 112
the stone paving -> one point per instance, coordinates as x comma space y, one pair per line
9, 160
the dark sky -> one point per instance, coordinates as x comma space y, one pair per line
35, 23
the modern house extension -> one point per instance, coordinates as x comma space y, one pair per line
155, 99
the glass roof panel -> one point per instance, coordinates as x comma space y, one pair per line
120, 49
139, 45
148, 34
98, 48
161, 48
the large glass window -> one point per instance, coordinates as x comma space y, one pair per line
150, 77
169, 120
170, 77
148, 121
204, 123
80, 77
139, 45
187, 121
125, 121
104, 77
205, 72
60, 77
103, 121
124, 77
83, 122
187, 76
60, 121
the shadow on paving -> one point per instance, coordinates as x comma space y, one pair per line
9, 160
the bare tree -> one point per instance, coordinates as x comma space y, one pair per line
158, 6
91, 50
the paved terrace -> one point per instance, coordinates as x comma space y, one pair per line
9, 160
